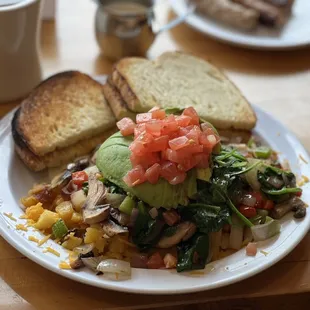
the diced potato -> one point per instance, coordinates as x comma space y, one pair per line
36, 189
28, 201
100, 244
116, 245
65, 210
72, 242
35, 211
76, 218
46, 220
57, 201
78, 199
92, 235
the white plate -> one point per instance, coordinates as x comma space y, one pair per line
16, 180
295, 33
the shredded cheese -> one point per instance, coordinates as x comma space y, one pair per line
51, 250
303, 180
33, 239
42, 241
64, 265
10, 216
264, 252
303, 159
21, 227
23, 217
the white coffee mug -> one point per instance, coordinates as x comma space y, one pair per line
20, 68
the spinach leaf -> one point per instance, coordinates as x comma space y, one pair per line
113, 188
193, 254
146, 231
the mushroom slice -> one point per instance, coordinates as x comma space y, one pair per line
183, 232
120, 217
93, 209
111, 229
284, 207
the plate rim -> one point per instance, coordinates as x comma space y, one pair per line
21, 245
267, 46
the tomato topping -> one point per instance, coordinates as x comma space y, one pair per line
298, 194
158, 144
135, 176
79, 178
247, 211
179, 143
251, 249
126, 126
155, 261
143, 117
183, 120
152, 174
167, 146
191, 112
158, 114
269, 204
259, 200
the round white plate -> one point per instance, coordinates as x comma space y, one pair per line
16, 180
294, 34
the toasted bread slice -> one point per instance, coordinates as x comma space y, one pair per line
62, 110
116, 102
66, 116
180, 80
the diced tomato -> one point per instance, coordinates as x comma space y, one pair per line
202, 160
208, 141
140, 128
145, 138
247, 211
178, 179
171, 217
168, 170
158, 144
170, 261
183, 131
154, 128
79, 178
259, 200
298, 194
138, 148
178, 143
191, 112
135, 176
194, 134
193, 149
183, 120
152, 174
158, 114
251, 249
145, 161
143, 117
187, 164
126, 126
268, 205
155, 261
169, 125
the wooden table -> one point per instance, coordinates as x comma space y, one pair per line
279, 82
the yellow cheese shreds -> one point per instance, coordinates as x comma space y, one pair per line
10, 216
51, 250
42, 241
303, 180
64, 265
23, 217
21, 227
303, 159
264, 252
33, 239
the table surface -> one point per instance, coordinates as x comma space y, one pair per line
277, 81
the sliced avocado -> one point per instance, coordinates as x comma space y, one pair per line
114, 162
204, 174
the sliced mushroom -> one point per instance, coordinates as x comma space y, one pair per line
93, 209
120, 217
282, 208
77, 263
183, 232
111, 229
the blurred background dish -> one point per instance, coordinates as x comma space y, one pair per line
263, 24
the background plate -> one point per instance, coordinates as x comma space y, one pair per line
296, 33
16, 180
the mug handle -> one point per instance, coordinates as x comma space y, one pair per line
178, 20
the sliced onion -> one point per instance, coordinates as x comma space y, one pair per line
249, 200
236, 233
266, 231
78, 199
84, 249
115, 269
92, 262
68, 190
153, 213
